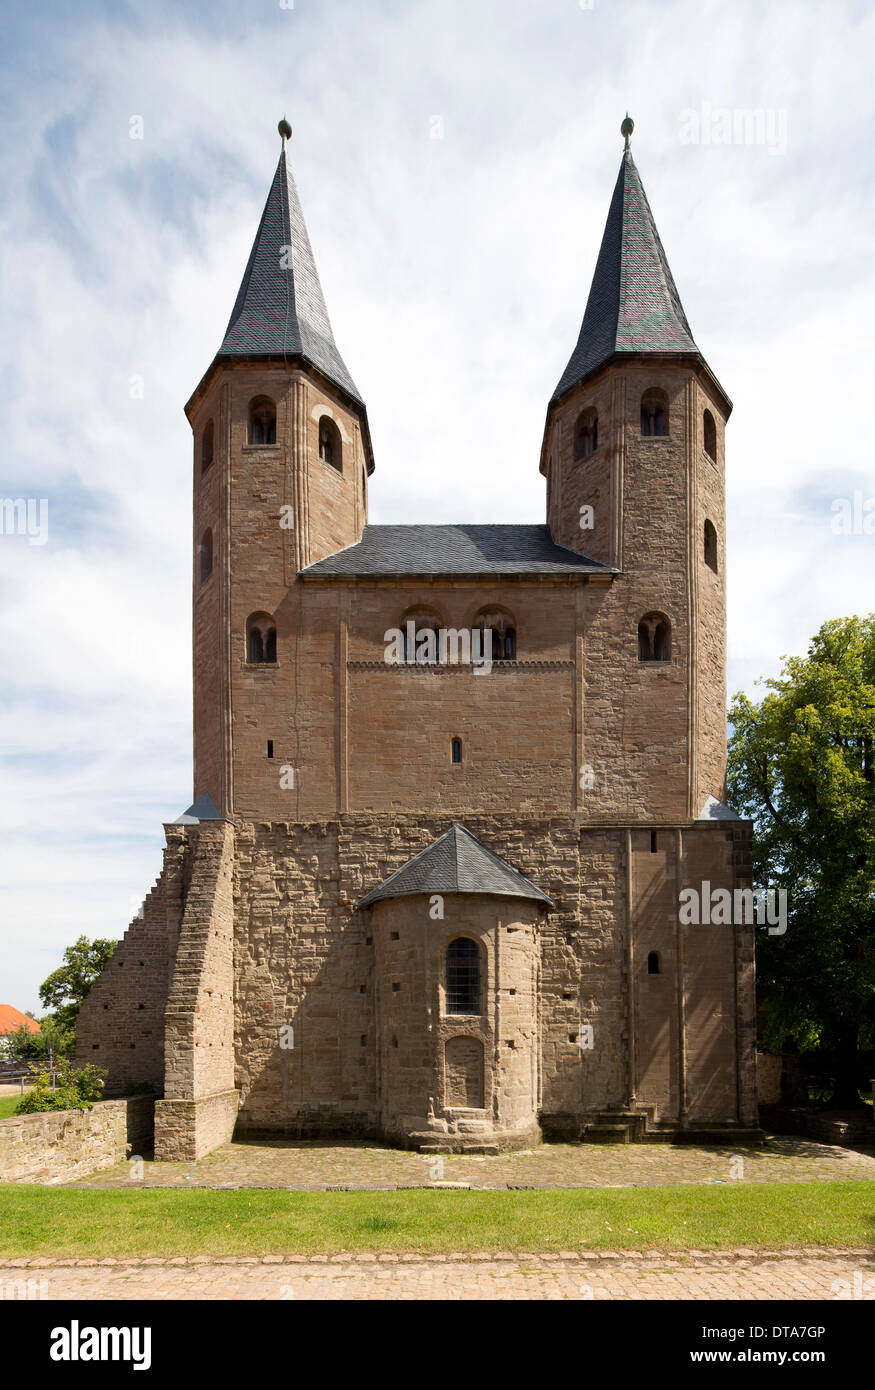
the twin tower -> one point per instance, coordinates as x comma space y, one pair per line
609, 621
415, 899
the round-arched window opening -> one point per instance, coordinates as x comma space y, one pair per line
654, 638
709, 431
260, 640
711, 546
207, 446
262, 421
330, 447
420, 629
500, 624
653, 967
206, 555
586, 434
654, 413
463, 976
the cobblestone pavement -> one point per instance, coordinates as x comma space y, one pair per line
800, 1274
310, 1166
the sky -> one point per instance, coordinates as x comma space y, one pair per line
455, 161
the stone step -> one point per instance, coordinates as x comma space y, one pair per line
607, 1134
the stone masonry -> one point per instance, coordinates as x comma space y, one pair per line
581, 777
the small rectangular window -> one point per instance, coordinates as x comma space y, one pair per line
653, 842
270, 747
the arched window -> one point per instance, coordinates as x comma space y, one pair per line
586, 434
457, 750
207, 446
710, 546
419, 648
206, 555
262, 421
710, 435
653, 963
654, 638
329, 443
463, 976
654, 413
260, 639
501, 624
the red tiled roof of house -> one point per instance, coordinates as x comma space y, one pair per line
11, 1018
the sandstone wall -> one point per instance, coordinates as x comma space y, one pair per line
306, 961
59, 1146
121, 1023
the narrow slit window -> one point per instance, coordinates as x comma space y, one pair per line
653, 963
709, 430
457, 750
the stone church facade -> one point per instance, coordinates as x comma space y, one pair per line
428, 899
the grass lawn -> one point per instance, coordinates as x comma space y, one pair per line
7, 1105
61, 1222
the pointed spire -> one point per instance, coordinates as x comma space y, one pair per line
633, 304
280, 309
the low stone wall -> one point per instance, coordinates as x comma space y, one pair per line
188, 1129
825, 1126
56, 1146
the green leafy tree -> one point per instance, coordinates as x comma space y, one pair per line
55, 1040
802, 768
66, 988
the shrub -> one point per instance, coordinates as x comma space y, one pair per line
77, 1089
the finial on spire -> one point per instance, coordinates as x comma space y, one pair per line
626, 128
285, 130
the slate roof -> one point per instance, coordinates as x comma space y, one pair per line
468, 550
716, 810
202, 809
633, 304
280, 310
457, 862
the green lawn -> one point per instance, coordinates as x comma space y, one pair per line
7, 1105
63, 1222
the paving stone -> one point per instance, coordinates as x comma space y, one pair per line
306, 1166
457, 1277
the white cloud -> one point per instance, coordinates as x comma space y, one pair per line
456, 272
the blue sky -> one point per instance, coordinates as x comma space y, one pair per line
456, 271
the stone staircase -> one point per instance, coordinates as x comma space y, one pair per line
641, 1125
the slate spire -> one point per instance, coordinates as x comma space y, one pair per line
280, 309
633, 304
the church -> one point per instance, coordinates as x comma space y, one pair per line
450, 781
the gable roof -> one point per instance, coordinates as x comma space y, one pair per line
457, 862
633, 305
11, 1019
409, 551
280, 309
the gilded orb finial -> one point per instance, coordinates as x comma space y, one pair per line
627, 127
285, 130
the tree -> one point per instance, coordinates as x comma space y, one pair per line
67, 987
55, 1039
802, 768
